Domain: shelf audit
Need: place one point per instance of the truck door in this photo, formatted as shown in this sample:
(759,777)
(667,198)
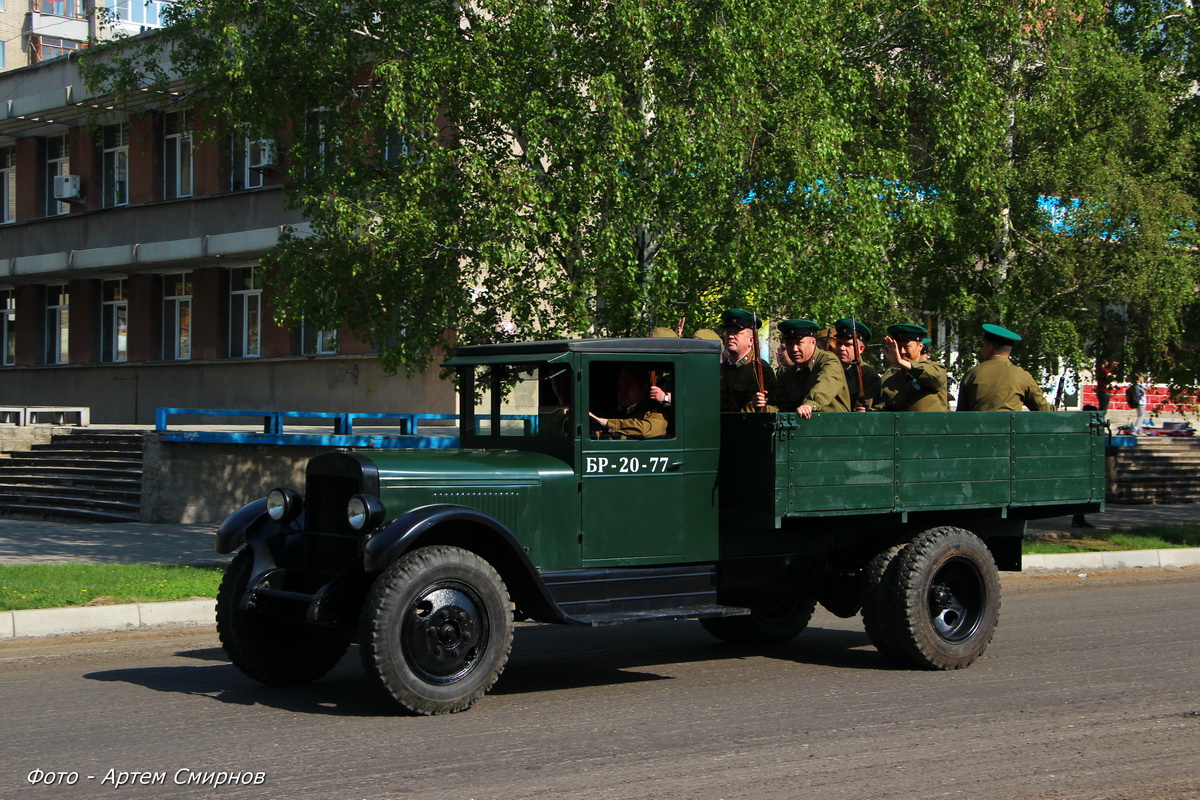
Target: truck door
(632,470)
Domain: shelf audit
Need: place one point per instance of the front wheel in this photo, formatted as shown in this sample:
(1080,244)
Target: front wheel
(436,630)
(774,618)
(945,601)
(272,650)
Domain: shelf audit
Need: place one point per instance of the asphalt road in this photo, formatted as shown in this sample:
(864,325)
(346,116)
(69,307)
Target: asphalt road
(1089,691)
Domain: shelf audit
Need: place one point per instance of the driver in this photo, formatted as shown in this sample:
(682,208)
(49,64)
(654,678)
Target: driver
(640,417)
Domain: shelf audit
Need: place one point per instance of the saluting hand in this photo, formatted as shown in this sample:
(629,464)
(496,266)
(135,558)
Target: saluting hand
(891,351)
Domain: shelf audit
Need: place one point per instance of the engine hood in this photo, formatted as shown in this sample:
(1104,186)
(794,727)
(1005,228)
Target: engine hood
(461,468)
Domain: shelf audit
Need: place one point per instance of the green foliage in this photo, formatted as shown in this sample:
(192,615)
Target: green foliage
(576,167)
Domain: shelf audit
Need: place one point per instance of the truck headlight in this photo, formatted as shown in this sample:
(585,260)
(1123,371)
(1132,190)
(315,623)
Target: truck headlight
(364,512)
(284,505)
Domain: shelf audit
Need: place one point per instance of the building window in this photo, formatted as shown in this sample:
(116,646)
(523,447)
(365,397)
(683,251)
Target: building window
(64,8)
(58,162)
(320,141)
(317,342)
(8,344)
(114,321)
(57,347)
(177,316)
(245,312)
(251,157)
(8,184)
(147,13)
(399,147)
(47,47)
(177,155)
(116,165)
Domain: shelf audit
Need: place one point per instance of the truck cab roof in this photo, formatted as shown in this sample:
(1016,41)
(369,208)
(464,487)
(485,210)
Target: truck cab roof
(490,353)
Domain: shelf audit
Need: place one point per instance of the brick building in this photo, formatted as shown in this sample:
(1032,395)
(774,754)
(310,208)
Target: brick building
(130,273)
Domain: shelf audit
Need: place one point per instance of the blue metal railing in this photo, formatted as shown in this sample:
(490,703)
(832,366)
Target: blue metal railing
(343,435)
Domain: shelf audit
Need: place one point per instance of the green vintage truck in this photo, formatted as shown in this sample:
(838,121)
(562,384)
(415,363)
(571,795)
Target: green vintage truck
(427,557)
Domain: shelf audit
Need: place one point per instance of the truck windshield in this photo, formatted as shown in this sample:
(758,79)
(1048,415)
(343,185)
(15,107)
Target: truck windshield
(519,406)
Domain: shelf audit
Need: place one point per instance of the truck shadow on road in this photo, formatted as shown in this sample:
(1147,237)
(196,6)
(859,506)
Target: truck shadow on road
(544,658)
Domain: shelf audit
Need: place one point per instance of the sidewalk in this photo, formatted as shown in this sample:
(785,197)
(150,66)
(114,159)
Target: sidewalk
(23,542)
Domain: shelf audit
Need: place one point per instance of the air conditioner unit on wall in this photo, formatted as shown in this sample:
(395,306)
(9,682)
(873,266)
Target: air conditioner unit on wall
(66,187)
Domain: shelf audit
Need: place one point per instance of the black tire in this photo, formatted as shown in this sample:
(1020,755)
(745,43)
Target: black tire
(774,618)
(273,651)
(945,603)
(879,580)
(436,630)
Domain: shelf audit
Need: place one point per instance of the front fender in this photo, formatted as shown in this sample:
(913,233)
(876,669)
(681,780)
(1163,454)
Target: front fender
(250,522)
(471,529)
(404,532)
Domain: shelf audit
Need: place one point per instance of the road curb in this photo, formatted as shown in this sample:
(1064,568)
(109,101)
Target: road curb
(101,619)
(1173,557)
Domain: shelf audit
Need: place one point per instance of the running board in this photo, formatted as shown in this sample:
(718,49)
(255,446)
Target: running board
(613,596)
(661,614)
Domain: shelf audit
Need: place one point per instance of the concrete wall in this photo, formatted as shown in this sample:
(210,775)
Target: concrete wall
(163,221)
(204,483)
(129,393)
(21,438)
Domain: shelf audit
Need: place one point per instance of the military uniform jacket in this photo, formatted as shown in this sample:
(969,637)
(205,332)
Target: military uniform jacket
(870,378)
(644,420)
(923,388)
(1000,385)
(739,385)
(821,383)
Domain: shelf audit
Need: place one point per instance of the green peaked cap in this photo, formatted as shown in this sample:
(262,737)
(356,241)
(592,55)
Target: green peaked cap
(904,332)
(798,328)
(1000,335)
(739,318)
(845,325)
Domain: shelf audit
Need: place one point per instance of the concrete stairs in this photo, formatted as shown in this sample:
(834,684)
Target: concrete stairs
(1158,469)
(86,474)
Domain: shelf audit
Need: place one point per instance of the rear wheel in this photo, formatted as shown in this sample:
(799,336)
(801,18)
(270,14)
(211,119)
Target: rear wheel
(878,578)
(274,651)
(436,630)
(945,602)
(774,618)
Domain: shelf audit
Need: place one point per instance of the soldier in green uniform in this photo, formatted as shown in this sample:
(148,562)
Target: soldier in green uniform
(997,384)
(739,373)
(914,383)
(851,358)
(641,417)
(816,380)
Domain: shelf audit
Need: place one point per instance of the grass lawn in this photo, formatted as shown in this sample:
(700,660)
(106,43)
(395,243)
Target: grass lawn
(24,586)
(1148,537)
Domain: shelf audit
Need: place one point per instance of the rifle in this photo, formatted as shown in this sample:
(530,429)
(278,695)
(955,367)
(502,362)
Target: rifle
(862,390)
(758,364)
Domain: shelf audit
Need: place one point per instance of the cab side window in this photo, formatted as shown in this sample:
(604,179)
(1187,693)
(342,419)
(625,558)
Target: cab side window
(629,400)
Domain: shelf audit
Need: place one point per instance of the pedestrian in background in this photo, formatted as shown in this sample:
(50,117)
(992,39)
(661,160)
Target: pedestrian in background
(1135,395)
(1105,372)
